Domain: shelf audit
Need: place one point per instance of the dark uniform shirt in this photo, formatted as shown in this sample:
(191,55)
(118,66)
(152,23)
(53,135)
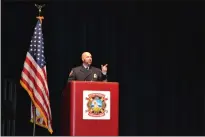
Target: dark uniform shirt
(80,73)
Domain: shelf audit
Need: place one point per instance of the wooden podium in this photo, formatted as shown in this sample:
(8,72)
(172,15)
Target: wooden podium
(90,109)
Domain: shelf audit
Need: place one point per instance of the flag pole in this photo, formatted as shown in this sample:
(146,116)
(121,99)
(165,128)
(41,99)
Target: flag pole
(34,108)
(34,119)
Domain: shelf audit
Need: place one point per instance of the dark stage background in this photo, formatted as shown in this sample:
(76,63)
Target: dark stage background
(155,50)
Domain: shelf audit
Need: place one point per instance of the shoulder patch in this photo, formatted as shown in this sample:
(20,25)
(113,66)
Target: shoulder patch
(71,73)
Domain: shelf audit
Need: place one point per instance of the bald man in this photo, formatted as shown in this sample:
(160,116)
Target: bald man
(86,72)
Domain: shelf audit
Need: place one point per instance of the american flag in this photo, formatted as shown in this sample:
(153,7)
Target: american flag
(34,79)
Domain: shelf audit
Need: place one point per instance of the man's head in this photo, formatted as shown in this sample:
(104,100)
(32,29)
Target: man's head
(86,58)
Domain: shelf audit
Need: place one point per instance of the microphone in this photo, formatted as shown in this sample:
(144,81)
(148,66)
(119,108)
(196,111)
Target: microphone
(91,75)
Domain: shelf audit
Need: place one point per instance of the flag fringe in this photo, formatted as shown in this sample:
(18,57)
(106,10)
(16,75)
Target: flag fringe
(39,124)
(36,105)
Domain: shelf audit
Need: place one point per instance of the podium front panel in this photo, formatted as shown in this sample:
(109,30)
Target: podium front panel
(94,108)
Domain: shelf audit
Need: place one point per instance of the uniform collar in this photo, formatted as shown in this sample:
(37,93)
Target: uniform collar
(86,66)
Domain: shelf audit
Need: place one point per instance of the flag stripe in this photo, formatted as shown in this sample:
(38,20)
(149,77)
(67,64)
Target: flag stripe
(29,77)
(37,98)
(34,79)
(38,71)
(35,73)
(34,99)
(45,76)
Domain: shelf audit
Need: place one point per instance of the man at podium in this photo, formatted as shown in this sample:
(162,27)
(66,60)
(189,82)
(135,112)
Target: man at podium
(86,72)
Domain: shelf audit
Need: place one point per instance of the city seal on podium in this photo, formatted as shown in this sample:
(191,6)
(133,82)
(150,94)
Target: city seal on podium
(96,105)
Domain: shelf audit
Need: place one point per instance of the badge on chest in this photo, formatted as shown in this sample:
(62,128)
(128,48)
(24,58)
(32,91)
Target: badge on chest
(95,76)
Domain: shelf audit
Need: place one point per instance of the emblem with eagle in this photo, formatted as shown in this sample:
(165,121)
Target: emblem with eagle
(96,105)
